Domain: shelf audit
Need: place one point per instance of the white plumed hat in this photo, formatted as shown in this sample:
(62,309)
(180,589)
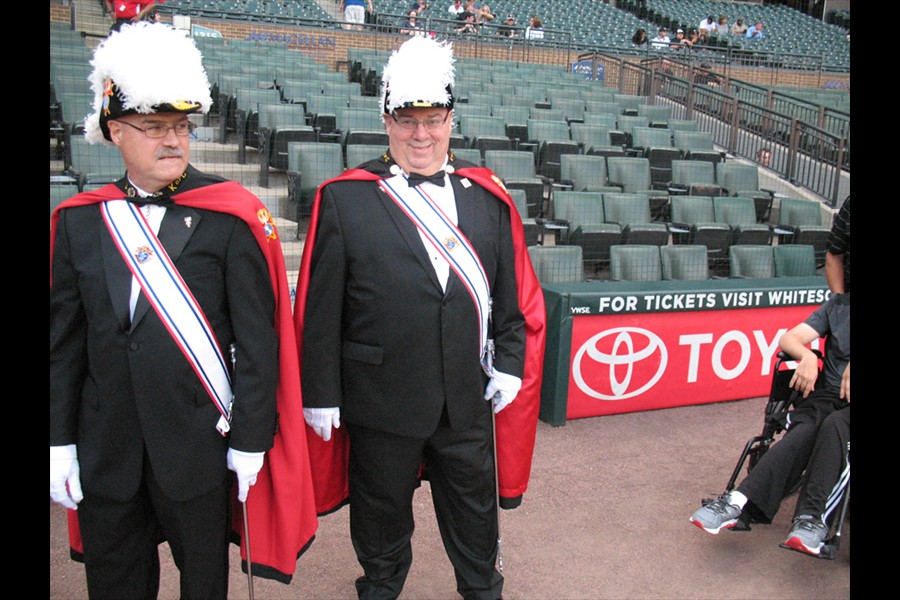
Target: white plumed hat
(420,74)
(145,68)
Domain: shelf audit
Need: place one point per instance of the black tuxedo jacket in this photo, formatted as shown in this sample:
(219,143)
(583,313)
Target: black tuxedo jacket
(120,387)
(381,339)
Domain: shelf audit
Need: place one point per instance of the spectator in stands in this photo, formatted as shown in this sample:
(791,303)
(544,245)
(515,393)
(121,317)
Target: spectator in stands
(837,258)
(763,156)
(708,24)
(755,32)
(661,40)
(456,9)
(355,13)
(739,28)
(722,25)
(535,29)
(419,7)
(128,11)
(680,41)
(411,27)
(693,37)
(640,37)
(826,395)
(467,26)
(702,37)
(508,29)
(485,16)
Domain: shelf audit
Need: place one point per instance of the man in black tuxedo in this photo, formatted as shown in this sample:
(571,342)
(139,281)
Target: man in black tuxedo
(395,332)
(134,445)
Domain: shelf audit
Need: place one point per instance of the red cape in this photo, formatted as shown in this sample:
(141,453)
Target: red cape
(516,424)
(280,505)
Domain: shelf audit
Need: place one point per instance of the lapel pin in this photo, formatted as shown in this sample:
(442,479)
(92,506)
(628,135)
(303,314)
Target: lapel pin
(187,222)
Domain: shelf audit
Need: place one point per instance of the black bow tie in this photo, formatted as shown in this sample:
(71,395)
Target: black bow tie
(158,199)
(417,178)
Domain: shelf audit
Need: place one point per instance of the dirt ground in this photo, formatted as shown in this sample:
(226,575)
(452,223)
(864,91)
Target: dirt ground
(605,516)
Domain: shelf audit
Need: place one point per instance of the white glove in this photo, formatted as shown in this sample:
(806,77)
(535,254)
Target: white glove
(246,465)
(502,388)
(322,420)
(64,470)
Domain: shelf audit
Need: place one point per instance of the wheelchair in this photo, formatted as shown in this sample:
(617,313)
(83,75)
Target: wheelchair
(782,400)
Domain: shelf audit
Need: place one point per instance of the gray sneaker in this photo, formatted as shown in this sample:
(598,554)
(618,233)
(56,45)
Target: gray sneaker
(717,514)
(807,535)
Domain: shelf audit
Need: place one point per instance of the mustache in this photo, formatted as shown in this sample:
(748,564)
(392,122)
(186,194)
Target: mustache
(169,152)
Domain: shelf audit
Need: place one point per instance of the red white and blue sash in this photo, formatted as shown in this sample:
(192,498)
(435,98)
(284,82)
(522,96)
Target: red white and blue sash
(172,300)
(451,245)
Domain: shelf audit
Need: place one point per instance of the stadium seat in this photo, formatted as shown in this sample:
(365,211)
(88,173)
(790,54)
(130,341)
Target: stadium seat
(740,214)
(685,262)
(743,180)
(309,165)
(635,263)
(557,264)
(751,260)
(794,260)
(800,222)
(631,212)
(516,169)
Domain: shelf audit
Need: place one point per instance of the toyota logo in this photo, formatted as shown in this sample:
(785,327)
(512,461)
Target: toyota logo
(617,352)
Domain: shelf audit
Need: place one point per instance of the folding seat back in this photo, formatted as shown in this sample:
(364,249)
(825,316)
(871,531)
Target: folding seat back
(357,154)
(694,177)
(473,155)
(694,222)
(658,115)
(632,174)
(800,222)
(557,264)
(743,180)
(94,165)
(740,214)
(629,103)
(625,125)
(588,136)
(360,126)
(585,173)
(751,260)
(577,208)
(651,137)
(684,262)
(516,169)
(655,145)
(573,109)
(309,165)
(280,124)
(631,212)
(794,260)
(683,125)
(532,229)
(635,262)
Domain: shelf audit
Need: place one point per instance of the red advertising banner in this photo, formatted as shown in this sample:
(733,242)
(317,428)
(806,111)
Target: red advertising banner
(633,362)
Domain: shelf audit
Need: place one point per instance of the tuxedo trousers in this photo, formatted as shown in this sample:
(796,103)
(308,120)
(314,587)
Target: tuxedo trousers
(384,473)
(121,539)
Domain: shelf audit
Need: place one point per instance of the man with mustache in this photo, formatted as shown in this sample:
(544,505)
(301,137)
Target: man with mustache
(172,353)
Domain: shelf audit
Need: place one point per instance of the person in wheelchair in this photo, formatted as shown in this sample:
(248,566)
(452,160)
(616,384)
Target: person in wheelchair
(813,442)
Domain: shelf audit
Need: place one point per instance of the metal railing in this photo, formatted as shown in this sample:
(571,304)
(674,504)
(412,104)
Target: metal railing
(808,144)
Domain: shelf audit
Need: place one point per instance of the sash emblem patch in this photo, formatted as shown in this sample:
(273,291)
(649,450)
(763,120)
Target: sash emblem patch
(143,254)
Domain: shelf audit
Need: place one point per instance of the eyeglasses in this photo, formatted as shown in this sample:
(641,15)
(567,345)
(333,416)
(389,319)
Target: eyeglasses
(160,131)
(410,124)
